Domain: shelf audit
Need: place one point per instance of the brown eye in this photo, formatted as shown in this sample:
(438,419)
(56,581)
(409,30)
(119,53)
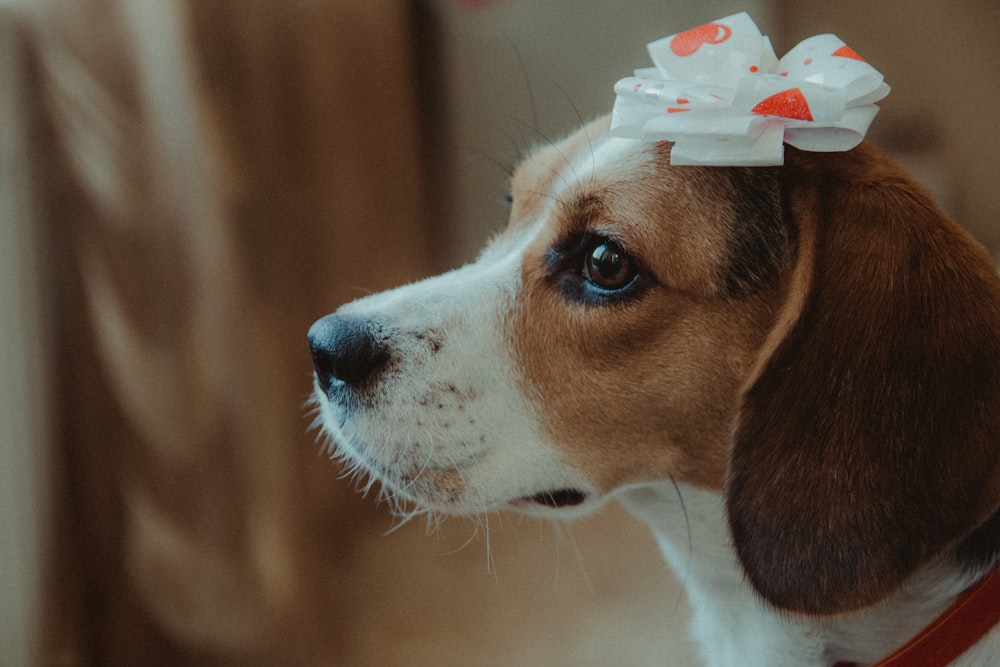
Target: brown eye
(608,266)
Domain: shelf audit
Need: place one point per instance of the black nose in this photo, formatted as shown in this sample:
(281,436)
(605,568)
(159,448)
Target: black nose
(345,349)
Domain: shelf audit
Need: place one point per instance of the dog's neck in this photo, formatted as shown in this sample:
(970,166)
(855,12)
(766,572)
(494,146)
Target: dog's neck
(735,627)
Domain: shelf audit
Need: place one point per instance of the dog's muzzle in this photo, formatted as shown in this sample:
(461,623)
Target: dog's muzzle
(353,357)
(346,350)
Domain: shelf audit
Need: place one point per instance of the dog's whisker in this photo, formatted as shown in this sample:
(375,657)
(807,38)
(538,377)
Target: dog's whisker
(553,144)
(415,479)
(528,89)
(555,172)
(369,483)
(403,515)
(555,527)
(578,556)
(490,562)
(683,579)
(579,118)
(548,195)
(434,522)
(518,152)
(347,472)
(506,167)
(476,523)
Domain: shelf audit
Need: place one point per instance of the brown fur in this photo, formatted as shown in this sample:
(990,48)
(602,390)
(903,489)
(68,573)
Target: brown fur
(819,342)
(645,390)
(868,445)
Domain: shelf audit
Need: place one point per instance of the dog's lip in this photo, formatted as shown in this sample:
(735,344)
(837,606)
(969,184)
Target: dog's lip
(557,498)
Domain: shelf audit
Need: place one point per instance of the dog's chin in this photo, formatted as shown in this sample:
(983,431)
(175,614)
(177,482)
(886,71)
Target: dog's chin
(452,489)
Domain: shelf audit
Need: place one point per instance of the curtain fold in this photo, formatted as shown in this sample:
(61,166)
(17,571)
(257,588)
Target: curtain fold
(219,175)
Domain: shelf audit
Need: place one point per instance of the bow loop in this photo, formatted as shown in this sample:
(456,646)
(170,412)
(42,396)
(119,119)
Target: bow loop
(722,96)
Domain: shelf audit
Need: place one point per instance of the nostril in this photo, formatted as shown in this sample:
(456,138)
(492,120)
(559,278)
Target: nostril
(345,349)
(324,366)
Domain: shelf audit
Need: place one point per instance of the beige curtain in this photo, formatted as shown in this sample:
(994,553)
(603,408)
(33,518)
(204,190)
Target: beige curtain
(215,176)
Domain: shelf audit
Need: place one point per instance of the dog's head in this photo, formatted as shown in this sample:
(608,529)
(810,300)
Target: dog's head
(816,341)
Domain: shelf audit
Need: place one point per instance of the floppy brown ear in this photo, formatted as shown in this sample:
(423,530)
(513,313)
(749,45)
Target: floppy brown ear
(869,440)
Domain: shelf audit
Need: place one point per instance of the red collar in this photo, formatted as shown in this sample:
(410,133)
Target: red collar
(954,632)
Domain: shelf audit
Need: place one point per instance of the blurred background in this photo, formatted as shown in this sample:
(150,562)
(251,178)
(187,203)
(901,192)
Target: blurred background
(186,186)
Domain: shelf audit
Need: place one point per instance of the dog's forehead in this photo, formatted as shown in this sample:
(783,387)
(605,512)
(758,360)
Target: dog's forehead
(609,154)
(550,173)
(592,157)
(679,220)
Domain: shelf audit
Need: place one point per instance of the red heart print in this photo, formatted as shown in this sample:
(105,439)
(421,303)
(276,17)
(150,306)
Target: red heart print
(789,103)
(686,43)
(847,52)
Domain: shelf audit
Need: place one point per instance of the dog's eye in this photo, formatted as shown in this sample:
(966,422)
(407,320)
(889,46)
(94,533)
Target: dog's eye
(607,266)
(595,270)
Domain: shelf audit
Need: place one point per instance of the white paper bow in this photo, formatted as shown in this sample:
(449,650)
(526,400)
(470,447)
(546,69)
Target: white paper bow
(722,96)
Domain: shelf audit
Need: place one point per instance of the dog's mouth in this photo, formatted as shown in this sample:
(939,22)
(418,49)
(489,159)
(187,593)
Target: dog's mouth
(559,498)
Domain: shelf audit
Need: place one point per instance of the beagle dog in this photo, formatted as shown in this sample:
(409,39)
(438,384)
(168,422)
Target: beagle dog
(791,374)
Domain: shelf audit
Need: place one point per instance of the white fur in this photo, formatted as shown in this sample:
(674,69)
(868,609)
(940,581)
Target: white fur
(459,408)
(734,628)
(462,408)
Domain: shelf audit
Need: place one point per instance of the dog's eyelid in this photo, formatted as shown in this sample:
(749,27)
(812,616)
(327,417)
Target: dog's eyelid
(569,251)
(567,268)
(626,243)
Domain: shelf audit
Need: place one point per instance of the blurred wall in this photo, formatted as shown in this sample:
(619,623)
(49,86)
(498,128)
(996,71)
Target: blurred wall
(940,121)
(525,72)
